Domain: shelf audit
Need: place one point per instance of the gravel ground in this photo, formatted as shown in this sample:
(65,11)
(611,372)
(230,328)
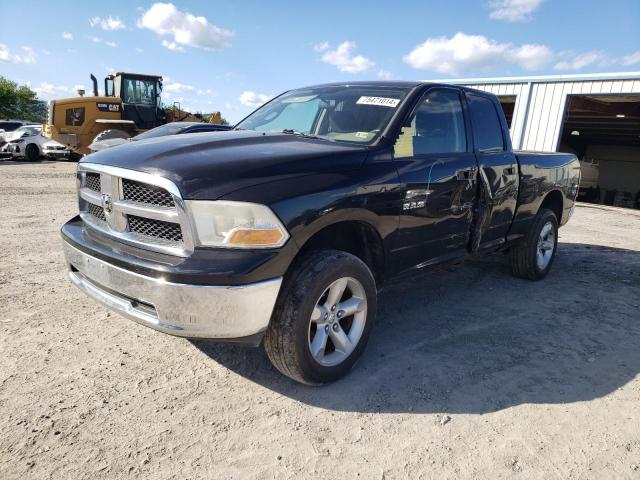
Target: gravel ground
(469,373)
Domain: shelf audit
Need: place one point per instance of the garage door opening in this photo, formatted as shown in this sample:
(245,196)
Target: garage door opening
(508,103)
(604,133)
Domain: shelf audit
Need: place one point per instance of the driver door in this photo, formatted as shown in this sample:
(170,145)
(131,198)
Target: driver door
(437,169)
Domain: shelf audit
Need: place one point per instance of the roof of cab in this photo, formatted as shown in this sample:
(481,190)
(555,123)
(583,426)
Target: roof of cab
(391,84)
(370,83)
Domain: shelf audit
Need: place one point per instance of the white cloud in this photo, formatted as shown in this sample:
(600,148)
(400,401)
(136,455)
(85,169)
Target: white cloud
(47,91)
(95,39)
(27,55)
(342,58)
(176,87)
(321,47)
(67,36)
(530,57)
(464,52)
(111,44)
(46,52)
(109,23)
(185,28)
(253,99)
(173,46)
(139,50)
(631,59)
(385,75)
(578,62)
(513,10)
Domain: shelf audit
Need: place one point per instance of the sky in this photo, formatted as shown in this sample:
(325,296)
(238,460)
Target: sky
(230,56)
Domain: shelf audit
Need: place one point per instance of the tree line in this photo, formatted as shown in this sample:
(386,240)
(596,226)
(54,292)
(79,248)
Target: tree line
(20,102)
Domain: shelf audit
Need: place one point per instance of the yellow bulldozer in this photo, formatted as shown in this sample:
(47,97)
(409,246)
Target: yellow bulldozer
(130,105)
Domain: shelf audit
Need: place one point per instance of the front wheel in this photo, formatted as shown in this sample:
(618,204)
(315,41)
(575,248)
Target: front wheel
(110,134)
(32,153)
(533,256)
(323,318)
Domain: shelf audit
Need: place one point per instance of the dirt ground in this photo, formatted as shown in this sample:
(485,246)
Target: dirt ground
(470,373)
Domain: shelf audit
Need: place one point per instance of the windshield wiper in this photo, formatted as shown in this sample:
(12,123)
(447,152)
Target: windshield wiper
(291,131)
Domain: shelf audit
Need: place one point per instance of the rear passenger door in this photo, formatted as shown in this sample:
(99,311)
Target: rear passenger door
(498,165)
(437,170)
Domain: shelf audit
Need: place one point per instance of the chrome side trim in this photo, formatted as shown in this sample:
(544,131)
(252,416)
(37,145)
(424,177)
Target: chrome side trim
(193,311)
(166,214)
(116,225)
(90,196)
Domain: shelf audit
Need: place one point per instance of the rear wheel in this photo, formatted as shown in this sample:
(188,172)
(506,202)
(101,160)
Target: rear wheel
(109,134)
(32,153)
(533,256)
(323,318)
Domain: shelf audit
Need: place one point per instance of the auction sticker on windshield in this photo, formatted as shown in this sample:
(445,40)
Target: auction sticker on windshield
(380,101)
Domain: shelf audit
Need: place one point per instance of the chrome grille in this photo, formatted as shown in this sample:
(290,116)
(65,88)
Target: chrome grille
(155,228)
(93,181)
(97,212)
(134,207)
(145,193)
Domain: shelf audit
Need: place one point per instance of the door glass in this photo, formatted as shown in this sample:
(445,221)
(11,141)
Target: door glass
(109,87)
(486,124)
(437,127)
(141,92)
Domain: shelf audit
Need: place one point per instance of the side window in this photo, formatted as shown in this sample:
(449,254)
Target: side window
(109,88)
(74,116)
(436,127)
(486,124)
(140,92)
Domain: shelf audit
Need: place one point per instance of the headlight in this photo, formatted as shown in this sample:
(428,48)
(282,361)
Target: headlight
(236,224)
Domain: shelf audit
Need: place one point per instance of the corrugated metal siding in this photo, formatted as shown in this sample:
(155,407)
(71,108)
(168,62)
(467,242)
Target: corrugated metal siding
(543,122)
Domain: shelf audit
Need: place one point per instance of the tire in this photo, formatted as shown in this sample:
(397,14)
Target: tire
(109,134)
(306,291)
(32,153)
(525,255)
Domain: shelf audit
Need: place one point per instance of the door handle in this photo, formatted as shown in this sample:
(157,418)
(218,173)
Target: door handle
(509,171)
(466,174)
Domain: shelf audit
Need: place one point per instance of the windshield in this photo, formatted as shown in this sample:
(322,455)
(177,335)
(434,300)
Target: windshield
(28,130)
(168,129)
(9,126)
(141,92)
(337,113)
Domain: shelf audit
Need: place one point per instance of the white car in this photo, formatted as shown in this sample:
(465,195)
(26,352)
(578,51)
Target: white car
(8,126)
(30,143)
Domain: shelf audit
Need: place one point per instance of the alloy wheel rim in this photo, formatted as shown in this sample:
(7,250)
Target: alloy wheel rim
(337,322)
(546,245)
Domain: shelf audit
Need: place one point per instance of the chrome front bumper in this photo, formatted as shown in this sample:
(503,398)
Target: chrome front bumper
(194,311)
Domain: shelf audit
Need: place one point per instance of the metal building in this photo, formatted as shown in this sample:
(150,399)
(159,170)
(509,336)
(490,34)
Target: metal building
(595,116)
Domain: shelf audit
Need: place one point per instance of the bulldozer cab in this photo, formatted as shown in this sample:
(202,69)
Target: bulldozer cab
(140,95)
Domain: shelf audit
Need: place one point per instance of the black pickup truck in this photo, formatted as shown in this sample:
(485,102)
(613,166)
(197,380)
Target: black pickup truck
(285,228)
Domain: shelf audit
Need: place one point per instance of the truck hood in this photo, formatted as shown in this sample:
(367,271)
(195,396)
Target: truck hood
(206,166)
(10,136)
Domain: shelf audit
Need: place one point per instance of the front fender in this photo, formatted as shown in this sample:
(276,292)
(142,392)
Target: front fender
(309,203)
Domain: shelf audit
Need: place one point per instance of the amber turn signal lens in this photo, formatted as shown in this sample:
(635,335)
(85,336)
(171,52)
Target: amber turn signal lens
(269,236)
